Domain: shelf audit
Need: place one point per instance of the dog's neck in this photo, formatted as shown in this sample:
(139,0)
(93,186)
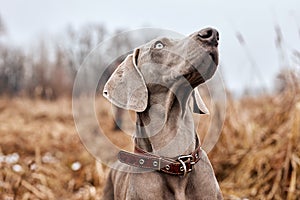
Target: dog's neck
(166,127)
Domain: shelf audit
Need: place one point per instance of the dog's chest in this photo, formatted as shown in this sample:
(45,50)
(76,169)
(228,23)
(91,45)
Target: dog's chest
(157,186)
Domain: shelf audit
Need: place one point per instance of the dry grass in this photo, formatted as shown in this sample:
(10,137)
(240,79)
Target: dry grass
(41,156)
(43,136)
(258,155)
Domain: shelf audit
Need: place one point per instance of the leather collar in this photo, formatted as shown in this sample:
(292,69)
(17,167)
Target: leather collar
(180,165)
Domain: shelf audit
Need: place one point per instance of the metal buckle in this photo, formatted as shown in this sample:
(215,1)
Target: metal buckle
(183,167)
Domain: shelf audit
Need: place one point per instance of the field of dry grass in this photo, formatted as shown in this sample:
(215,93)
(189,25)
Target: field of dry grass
(41,156)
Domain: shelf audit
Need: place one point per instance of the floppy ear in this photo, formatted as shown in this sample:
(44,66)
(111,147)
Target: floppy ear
(126,87)
(198,104)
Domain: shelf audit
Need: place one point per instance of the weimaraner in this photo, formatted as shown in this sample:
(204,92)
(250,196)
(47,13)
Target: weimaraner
(158,82)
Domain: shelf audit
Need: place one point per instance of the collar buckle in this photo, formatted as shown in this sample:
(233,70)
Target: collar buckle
(183,159)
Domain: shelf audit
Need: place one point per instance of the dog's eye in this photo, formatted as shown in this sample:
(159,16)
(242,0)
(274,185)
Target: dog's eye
(158,45)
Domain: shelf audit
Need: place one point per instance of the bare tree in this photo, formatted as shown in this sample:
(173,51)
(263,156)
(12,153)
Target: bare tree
(11,66)
(40,73)
(78,44)
(11,71)
(2,27)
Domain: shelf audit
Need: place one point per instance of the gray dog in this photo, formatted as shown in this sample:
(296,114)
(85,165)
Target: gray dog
(158,81)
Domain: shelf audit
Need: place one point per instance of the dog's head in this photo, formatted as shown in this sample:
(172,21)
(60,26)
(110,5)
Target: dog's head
(187,62)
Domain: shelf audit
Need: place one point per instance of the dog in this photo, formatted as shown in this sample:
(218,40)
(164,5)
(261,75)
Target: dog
(159,82)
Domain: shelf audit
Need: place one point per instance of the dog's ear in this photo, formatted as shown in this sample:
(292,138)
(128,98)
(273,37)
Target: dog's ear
(126,87)
(198,104)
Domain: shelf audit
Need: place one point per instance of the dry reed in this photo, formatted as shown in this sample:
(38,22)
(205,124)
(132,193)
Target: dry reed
(257,156)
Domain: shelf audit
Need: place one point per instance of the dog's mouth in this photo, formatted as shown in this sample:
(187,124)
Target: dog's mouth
(204,68)
(214,56)
(211,49)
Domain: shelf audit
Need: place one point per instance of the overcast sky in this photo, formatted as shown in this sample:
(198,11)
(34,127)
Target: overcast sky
(26,20)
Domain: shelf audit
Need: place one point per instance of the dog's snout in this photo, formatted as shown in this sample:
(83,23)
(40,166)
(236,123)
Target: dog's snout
(209,35)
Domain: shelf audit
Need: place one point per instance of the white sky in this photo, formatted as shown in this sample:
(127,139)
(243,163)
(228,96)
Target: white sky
(27,20)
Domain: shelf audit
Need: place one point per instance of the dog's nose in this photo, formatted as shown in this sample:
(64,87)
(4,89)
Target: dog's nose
(209,35)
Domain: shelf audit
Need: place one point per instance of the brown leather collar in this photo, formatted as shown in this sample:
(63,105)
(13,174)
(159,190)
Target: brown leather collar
(173,166)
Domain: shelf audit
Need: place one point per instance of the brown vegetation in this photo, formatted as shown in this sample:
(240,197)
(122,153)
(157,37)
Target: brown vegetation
(258,154)
(41,156)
